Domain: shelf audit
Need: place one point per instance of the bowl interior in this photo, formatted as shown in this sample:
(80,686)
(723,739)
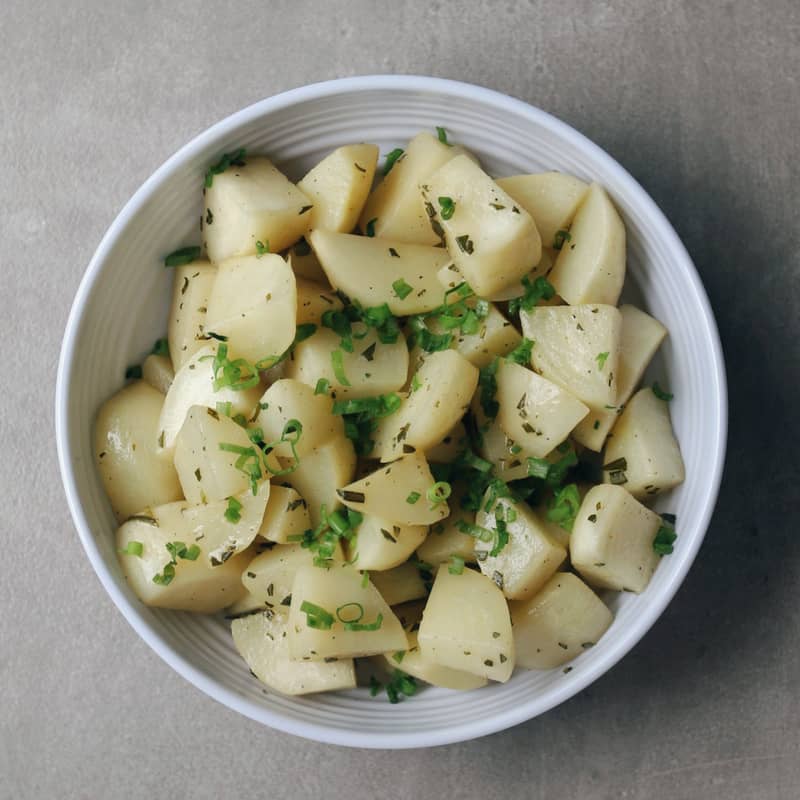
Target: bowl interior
(121,309)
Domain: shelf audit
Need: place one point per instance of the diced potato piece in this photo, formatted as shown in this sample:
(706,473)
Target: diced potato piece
(551,198)
(191,289)
(400,584)
(254,304)
(262,642)
(381,545)
(338,186)
(288,399)
(321,472)
(416,663)
(246,604)
(158,372)
(370,270)
(135,474)
(221,533)
(253,203)
(449,448)
(558,623)
(591,265)
(396,205)
(194,386)
(492,241)
(466,626)
(447,382)
(640,337)
(445,539)
(643,451)
(612,540)
(535,413)
(397,492)
(313,300)
(305,264)
(372,368)
(197,585)
(529,558)
(206,472)
(578,348)
(340,592)
(270,575)
(286,515)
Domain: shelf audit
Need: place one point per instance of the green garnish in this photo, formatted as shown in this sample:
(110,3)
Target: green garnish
(234,159)
(233,513)
(261,248)
(439,492)
(361,415)
(456,566)
(540,289)
(249,462)
(413,497)
(616,470)
(601,359)
(564,507)
(501,540)
(355,616)
(416,383)
(134,372)
(160,348)
(176,550)
(538,467)
(237,375)
(447,206)
(185,255)
(316,616)
(432,342)
(561,237)
(664,540)
(364,626)
(487,383)
(224,408)
(401,288)
(133,548)
(521,354)
(364,579)
(476,531)
(322,387)
(338,368)
(301,333)
(465,244)
(661,394)
(442,134)
(370,229)
(391,159)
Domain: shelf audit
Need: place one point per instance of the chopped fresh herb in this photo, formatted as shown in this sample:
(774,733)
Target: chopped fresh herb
(476,531)
(364,626)
(350,612)
(393,253)
(338,368)
(401,288)
(376,407)
(413,497)
(487,383)
(538,467)
(601,359)
(416,383)
(323,386)
(370,228)
(218,336)
(456,566)
(234,159)
(521,354)
(661,394)
(399,656)
(533,293)
(564,506)
(439,492)
(132,548)
(501,539)
(665,538)
(160,348)
(302,332)
(369,352)
(134,372)
(237,375)
(304,209)
(176,550)
(447,206)
(185,255)
(249,462)
(233,513)
(262,248)
(442,134)
(560,237)
(465,244)
(224,407)
(316,616)
(422,336)
(364,579)
(391,159)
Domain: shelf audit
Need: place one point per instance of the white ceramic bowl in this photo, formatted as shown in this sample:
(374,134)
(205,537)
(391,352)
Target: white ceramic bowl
(121,308)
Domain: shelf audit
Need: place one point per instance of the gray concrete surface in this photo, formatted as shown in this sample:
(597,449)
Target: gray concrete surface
(699,100)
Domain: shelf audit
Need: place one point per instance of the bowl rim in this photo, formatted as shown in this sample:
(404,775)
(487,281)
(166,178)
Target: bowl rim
(475,728)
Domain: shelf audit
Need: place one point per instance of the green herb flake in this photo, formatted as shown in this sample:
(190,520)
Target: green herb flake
(262,248)
(601,360)
(564,507)
(323,386)
(465,244)
(533,293)
(391,159)
(160,348)
(413,497)
(521,354)
(233,513)
(316,616)
(447,207)
(661,394)
(456,565)
(560,237)
(185,255)
(132,548)
(234,159)
(401,288)
(442,135)
(337,362)
(664,541)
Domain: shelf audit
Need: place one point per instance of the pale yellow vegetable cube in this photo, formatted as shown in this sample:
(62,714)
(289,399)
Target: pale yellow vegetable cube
(612,540)
(341,597)
(640,337)
(446,383)
(493,241)
(372,368)
(263,643)
(400,584)
(577,347)
(253,203)
(523,565)
(320,474)
(558,623)
(376,271)
(466,626)
(191,288)
(535,413)
(313,300)
(395,208)
(158,372)
(591,265)
(305,264)
(194,386)
(445,539)
(246,604)
(381,545)
(254,305)
(196,586)
(270,575)
(643,451)
(397,492)
(495,445)
(135,474)
(338,186)
(286,515)
(288,399)
(207,472)
(551,198)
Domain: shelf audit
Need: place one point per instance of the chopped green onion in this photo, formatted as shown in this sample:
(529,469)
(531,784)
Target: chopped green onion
(160,348)
(133,548)
(487,383)
(224,407)
(521,354)
(233,513)
(456,566)
(560,237)
(364,626)
(476,531)
(249,462)
(376,407)
(601,359)
(391,160)
(261,248)
(416,383)
(237,375)
(664,540)
(661,394)
(565,506)
(439,492)
(185,255)
(448,207)
(413,497)
(502,535)
(316,616)
(364,579)
(538,467)
(338,368)
(401,288)
(234,159)
(442,134)
(357,616)
(533,293)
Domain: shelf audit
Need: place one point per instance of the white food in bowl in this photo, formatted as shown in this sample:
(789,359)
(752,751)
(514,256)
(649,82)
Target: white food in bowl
(124,296)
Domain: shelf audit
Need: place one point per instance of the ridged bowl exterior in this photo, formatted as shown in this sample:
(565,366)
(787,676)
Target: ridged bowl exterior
(121,307)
